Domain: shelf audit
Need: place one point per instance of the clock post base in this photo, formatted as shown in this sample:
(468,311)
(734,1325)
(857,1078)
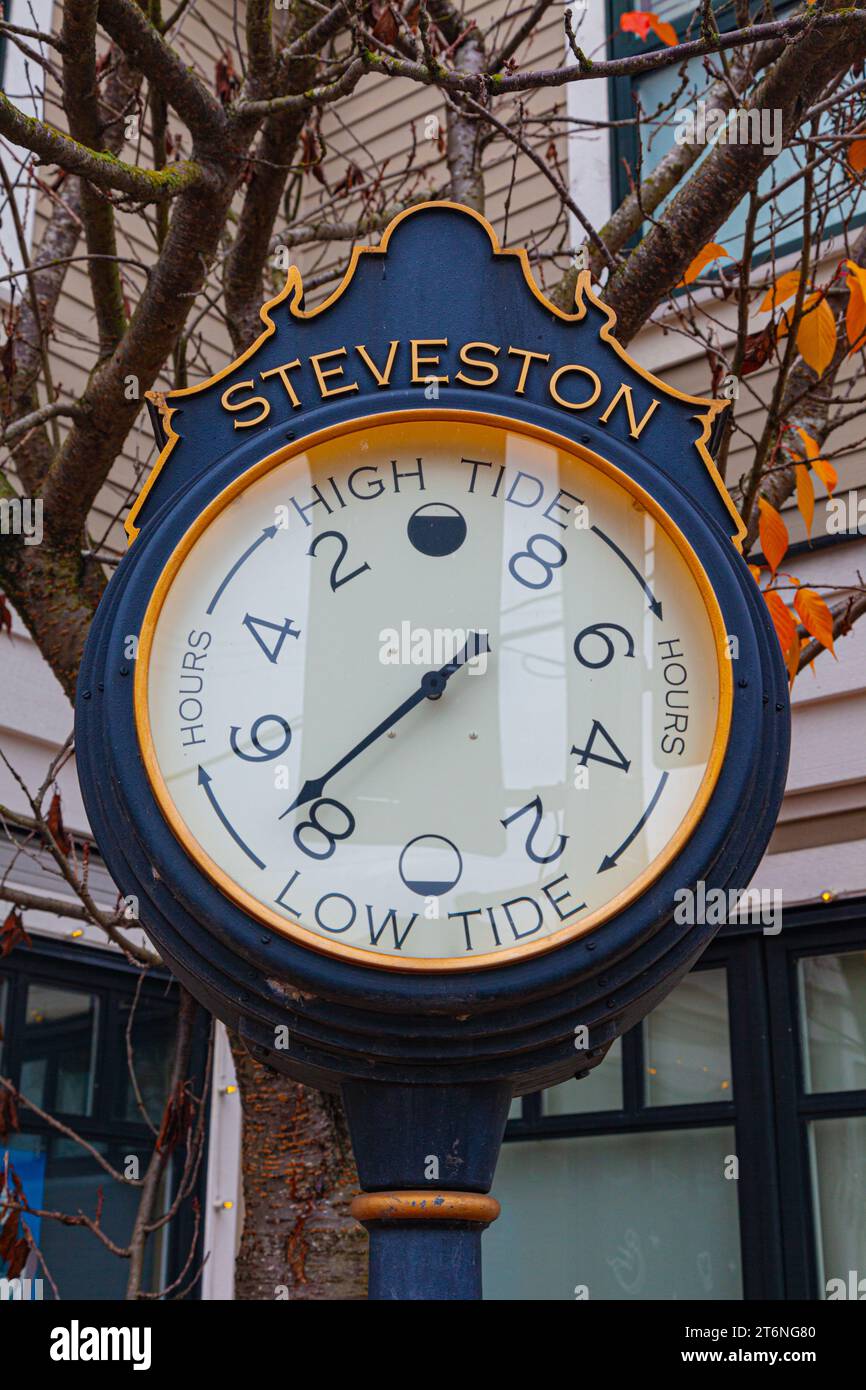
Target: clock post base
(425,1244)
(426,1157)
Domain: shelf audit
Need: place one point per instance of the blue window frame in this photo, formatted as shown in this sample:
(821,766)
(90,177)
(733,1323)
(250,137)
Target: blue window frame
(656,88)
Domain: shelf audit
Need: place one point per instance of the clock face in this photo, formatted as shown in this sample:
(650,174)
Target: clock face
(433,693)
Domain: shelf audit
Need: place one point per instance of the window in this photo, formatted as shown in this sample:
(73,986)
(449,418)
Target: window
(58,1068)
(719,1150)
(65,1012)
(832,999)
(662,94)
(616,1183)
(686,1043)
(818,996)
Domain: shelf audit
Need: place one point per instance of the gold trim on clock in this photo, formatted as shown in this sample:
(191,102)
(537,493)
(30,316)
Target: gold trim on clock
(292,295)
(304,935)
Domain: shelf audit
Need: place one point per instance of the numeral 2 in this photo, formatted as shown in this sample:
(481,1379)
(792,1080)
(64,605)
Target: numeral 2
(538,811)
(336,580)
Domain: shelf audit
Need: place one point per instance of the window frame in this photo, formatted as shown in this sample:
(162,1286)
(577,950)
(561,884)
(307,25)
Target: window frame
(107,976)
(624,140)
(797,1107)
(770,1110)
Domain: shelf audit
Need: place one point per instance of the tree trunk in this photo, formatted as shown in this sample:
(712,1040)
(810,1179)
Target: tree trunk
(298,1174)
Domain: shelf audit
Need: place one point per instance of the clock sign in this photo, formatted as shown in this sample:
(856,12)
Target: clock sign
(448,675)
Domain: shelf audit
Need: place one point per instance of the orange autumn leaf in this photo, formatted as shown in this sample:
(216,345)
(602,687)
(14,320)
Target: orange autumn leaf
(809,444)
(13,933)
(816,336)
(54,821)
(792,658)
(855,315)
(641,21)
(711,252)
(784,288)
(773,534)
(783,619)
(782,326)
(666,32)
(805,495)
(827,473)
(755,572)
(857,155)
(635,22)
(815,616)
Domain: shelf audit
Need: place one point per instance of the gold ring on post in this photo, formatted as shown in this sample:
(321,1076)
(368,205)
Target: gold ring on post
(425,1206)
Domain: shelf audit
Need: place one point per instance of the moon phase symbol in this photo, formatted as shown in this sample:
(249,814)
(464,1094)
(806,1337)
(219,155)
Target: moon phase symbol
(437,528)
(430,865)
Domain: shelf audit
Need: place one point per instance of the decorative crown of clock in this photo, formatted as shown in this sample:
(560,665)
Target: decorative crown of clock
(449,675)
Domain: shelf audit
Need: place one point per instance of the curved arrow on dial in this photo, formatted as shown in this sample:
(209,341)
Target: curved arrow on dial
(609,861)
(204,780)
(267,535)
(654,603)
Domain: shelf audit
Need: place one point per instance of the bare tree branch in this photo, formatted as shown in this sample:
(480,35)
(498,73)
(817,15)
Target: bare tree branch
(100,169)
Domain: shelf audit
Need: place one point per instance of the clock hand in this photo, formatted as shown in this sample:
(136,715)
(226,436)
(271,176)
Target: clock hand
(432,687)
(476,644)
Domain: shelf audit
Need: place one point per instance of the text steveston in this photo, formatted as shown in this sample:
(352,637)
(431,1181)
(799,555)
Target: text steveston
(340,372)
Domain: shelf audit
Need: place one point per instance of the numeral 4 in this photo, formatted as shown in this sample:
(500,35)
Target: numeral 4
(270,645)
(586,754)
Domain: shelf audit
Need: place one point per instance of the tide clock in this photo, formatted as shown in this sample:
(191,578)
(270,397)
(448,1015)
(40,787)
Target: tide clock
(430,694)
(432,672)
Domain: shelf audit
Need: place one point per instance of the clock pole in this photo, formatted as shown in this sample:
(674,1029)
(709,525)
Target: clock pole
(426,1157)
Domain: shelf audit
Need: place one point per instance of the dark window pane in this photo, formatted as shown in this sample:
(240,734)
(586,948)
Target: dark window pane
(627,1216)
(838,1153)
(601,1090)
(60,1034)
(687,1043)
(152,1038)
(57,1175)
(833,1021)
